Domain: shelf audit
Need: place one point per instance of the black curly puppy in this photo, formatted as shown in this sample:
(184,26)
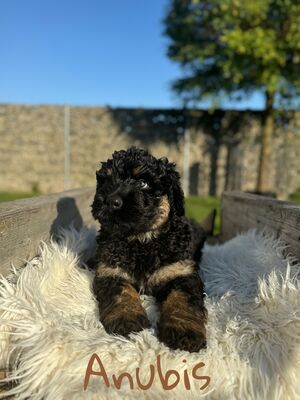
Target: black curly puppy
(146,244)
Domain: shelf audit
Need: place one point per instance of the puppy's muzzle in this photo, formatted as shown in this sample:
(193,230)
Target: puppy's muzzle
(115,202)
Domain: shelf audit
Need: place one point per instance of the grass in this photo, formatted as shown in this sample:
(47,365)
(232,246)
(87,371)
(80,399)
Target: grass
(9,196)
(295,196)
(198,208)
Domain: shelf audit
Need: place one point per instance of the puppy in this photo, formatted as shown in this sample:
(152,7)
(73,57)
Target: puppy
(146,245)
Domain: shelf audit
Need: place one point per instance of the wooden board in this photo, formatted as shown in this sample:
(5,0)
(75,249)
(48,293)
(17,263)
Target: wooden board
(242,211)
(24,223)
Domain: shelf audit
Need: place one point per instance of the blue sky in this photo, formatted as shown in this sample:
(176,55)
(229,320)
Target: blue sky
(88,52)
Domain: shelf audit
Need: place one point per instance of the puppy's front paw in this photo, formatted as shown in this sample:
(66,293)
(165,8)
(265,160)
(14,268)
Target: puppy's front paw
(124,326)
(182,321)
(183,338)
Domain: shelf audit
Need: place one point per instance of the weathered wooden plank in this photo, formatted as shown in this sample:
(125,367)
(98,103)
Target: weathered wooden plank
(24,223)
(242,211)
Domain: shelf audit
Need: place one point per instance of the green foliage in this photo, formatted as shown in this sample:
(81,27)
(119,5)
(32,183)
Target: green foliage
(198,208)
(226,46)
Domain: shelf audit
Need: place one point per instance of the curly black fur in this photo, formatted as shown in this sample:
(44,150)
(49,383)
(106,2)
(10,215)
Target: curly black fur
(146,243)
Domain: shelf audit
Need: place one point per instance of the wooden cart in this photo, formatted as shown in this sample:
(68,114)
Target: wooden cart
(25,223)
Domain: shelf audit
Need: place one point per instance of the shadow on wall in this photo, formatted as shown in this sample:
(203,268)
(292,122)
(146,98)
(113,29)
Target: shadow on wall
(225,129)
(220,128)
(150,126)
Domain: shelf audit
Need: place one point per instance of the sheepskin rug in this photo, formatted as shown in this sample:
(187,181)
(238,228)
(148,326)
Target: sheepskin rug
(50,329)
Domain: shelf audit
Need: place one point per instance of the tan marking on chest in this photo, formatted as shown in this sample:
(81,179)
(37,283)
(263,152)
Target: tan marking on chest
(105,271)
(170,272)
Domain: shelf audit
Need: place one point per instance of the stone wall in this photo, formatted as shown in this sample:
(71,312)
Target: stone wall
(224,150)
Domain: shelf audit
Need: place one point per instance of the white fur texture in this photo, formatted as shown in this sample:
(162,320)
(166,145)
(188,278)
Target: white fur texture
(50,327)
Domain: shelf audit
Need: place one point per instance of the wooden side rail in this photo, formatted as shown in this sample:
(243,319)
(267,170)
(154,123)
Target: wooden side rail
(24,223)
(242,211)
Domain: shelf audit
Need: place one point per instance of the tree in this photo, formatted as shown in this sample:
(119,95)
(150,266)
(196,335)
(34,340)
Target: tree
(234,47)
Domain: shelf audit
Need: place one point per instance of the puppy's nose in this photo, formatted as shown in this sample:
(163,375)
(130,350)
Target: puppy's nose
(116,202)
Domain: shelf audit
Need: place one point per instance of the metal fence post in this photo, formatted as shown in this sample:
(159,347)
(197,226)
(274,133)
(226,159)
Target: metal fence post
(186,161)
(67,148)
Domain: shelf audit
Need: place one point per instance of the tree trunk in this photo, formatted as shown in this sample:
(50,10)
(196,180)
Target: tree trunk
(263,182)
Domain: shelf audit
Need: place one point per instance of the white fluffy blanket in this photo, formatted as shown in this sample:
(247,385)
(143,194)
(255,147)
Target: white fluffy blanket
(50,329)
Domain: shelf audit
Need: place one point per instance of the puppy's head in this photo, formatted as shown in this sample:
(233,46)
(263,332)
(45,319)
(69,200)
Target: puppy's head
(136,192)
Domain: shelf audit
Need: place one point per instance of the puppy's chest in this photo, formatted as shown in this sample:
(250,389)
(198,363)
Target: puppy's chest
(147,258)
(139,259)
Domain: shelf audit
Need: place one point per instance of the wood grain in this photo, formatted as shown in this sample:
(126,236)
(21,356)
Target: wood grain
(242,211)
(24,223)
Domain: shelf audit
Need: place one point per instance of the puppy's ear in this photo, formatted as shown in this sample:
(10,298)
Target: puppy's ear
(98,174)
(104,169)
(174,190)
(99,170)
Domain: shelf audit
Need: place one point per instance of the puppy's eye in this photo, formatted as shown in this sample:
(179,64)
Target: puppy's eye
(144,184)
